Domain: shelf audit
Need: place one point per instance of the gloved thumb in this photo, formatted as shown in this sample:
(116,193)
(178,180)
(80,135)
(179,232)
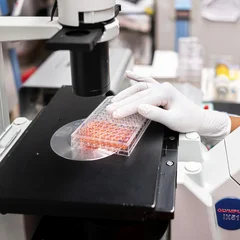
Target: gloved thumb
(133,76)
(153,113)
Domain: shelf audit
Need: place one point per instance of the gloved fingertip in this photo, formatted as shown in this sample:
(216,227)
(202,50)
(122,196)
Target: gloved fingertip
(114,99)
(116,114)
(128,72)
(111,108)
(144,109)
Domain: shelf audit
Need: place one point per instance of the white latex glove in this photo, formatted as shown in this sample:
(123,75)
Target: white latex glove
(163,103)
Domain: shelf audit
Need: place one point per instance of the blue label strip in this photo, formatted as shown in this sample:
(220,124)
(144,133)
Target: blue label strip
(4,7)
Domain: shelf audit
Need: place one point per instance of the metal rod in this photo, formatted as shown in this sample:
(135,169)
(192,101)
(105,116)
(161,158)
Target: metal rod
(4,111)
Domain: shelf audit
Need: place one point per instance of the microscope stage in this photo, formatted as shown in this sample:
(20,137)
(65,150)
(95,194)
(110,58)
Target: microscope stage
(35,180)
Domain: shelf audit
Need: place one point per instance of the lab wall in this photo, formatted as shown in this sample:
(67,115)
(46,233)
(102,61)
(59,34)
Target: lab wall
(165,25)
(218,38)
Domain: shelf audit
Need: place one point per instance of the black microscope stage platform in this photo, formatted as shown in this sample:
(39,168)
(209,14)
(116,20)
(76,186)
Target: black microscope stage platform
(34,180)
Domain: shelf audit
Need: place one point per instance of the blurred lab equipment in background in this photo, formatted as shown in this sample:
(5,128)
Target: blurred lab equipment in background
(11,77)
(216,25)
(224,74)
(221,10)
(191,61)
(137,23)
(31,52)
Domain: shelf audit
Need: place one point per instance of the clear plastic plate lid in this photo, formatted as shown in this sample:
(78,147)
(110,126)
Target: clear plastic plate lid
(101,130)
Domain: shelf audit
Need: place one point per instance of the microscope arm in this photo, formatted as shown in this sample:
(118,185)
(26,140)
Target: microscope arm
(27,28)
(37,28)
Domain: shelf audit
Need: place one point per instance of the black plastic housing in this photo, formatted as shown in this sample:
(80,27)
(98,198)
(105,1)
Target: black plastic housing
(90,71)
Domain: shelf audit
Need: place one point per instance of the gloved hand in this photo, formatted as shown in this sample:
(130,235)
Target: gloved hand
(163,103)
